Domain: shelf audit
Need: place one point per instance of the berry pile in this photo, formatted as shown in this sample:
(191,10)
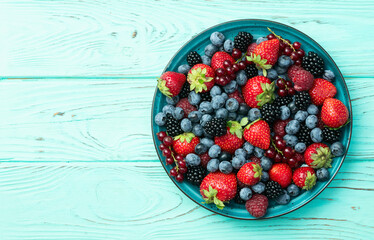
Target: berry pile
(251,121)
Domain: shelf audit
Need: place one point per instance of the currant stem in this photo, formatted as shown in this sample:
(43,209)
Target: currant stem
(241,58)
(280,38)
(175,160)
(275,147)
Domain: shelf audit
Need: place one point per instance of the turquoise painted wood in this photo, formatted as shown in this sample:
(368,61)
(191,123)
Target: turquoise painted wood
(76,153)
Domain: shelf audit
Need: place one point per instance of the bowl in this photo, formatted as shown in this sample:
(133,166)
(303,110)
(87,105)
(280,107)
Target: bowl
(257,28)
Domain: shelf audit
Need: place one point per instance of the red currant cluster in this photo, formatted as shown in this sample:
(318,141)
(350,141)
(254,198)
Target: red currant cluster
(279,152)
(290,49)
(285,88)
(180,167)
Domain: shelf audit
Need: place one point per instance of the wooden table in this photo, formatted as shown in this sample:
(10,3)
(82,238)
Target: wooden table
(76,155)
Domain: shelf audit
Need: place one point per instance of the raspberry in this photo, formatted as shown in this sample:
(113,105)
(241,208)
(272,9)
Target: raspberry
(251,48)
(279,126)
(255,160)
(237,95)
(303,80)
(292,70)
(257,205)
(204,159)
(186,106)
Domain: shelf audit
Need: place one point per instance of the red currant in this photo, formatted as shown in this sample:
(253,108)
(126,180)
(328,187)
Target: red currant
(280,144)
(162,146)
(169,161)
(294,56)
(292,162)
(227,64)
(287,40)
(291,91)
(288,51)
(229,70)
(179,157)
(277,137)
(284,159)
(288,84)
(161,135)
(282,45)
(301,53)
(278,158)
(166,152)
(248,62)
(298,62)
(280,83)
(220,72)
(296,45)
(179,177)
(181,163)
(173,172)
(288,152)
(232,76)
(270,153)
(168,141)
(242,65)
(299,157)
(270,36)
(182,170)
(282,92)
(236,53)
(235,67)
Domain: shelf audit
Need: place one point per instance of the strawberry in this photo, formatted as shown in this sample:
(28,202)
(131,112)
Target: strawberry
(251,48)
(201,78)
(321,90)
(237,95)
(257,205)
(257,133)
(318,155)
(279,127)
(185,143)
(186,106)
(265,55)
(250,173)
(204,159)
(304,178)
(233,139)
(258,91)
(218,59)
(218,187)
(292,70)
(334,113)
(303,80)
(281,173)
(171,83)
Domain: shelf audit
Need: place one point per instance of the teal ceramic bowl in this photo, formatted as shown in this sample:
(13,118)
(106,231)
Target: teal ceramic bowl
(257,28)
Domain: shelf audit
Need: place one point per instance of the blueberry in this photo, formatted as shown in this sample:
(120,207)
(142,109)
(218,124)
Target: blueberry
(284,61)
(195,116)
(239,117)
(200,149)
(284,198)
(198,130)
(292,127)
(301,115)
(221,49)
(224,156)
(207,142)
(178,113)
(245,193)
(212,165)
(258,152)
(194,98)
(225,96)
(260,73)
(311,121)
(291,140)
(265,176)
(222,113)
(185,68)
(206,60)
(272,74)
(258,187)
(254,114)
(328,75)
(160,119)
(231,87)
(232,116)
(280,70)
(266,163)
(261,39)
(241,78)
(217,38)
(225,167)
(240,152)
(215,91)
(293,190)
(206,107)
(204,119)
(214,151)
(186,125)
(284,76)
(312,109)
(300,147)
(192,159)
(243,109)
(316,135)
(218,102)
(337,149)
(285,112)
(292,107)
(238,162)
(168,109)
(232,105)
(173,100)
(228,45)
(248,148)
(322,174)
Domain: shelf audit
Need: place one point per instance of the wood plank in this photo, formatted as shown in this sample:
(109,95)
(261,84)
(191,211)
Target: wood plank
(138,201)
(138,38)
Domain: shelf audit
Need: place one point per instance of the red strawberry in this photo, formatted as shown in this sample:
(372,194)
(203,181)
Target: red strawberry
(281,173)
(279,127)
(258,91)
(250,173)
(334,113)
(251,48)
(237,95)
(321,90)
(185,143)
(292,70)
(218,59)
(186,106)
(204,159)
(265,55)
(171,83)
(255,160)
(218,187)
(201,78)
(233,139)
(303,80)
(304,178)
(318,155)
(257,133)
(257,205)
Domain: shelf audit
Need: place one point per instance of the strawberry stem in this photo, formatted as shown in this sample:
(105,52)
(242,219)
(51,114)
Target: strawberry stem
(280,38)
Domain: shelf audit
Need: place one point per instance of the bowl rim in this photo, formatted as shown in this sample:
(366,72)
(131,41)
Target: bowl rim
(350,123)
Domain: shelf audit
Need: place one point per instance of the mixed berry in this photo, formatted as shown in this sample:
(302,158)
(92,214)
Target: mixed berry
(251,121)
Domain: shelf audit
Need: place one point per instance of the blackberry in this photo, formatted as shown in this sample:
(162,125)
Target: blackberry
(196,174)
(173,126)
(281,101)
(304,135)
(193,58)
(242,41)
(185,90)
(273,190)
(330,135)
(251,71)
(313,63)
(270,112)
(237,197)
(205,97)
(215,127)
(302,100)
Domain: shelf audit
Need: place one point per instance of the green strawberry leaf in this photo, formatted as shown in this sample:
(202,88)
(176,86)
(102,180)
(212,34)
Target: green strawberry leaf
(244,121)
(310,181)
